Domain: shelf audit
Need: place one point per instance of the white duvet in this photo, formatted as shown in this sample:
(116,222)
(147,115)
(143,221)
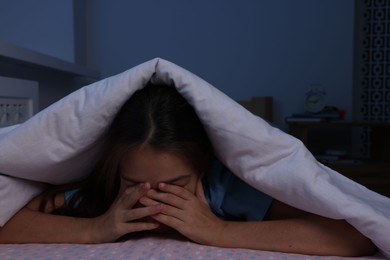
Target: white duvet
(59,144)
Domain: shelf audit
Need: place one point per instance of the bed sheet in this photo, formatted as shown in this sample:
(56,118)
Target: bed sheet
(158,248)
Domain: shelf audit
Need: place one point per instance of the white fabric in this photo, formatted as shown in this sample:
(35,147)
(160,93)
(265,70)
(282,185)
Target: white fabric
(59,145)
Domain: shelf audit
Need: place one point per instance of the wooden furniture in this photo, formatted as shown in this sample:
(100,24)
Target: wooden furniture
(260,105)
(373,171)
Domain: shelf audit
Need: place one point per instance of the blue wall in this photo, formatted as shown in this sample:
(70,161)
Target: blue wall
(244,48)
(44,26)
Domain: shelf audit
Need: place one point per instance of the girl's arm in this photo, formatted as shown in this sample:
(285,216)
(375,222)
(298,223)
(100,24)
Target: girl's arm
(305,233)
(309,234)
(31,226)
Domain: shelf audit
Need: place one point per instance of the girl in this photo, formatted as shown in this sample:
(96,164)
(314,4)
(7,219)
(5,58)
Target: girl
(157,173)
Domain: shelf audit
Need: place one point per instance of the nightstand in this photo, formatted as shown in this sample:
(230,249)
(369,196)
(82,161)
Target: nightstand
(340,140)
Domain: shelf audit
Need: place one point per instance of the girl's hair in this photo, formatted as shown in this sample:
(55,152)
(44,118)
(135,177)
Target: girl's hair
(156,115)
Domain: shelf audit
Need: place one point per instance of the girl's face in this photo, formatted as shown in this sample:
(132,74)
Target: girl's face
(145,164)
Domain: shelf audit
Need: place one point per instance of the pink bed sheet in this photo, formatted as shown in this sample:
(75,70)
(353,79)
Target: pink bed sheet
(145,248)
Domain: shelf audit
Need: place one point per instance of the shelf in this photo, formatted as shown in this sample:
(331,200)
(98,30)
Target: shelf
(375,176)
(14,54)
(379,169)
(372,171)
(340,123)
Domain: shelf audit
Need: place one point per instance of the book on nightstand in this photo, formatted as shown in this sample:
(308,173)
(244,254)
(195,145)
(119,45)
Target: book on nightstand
(314,117)
(304,119)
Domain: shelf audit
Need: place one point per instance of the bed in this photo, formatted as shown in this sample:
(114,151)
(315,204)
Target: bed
(59,144)
(159,248)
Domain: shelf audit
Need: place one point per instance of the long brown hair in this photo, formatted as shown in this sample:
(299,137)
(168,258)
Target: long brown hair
(156,115)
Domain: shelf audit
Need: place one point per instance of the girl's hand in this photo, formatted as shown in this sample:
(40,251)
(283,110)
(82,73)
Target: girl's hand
(184,212)
(121,218)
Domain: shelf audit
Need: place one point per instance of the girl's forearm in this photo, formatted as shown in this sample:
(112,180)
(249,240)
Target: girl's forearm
(306,235)
(29,226)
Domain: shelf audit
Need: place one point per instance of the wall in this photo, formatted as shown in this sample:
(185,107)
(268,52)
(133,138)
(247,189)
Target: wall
(244,48)
(41,41)
(44,26)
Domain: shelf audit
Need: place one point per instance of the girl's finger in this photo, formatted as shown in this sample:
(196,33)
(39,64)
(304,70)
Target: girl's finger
(133,194)
(146,201)
(139,213)
(169,221)
(173,212)
(166,198)
(177,190)
(139,226)
(199,193)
